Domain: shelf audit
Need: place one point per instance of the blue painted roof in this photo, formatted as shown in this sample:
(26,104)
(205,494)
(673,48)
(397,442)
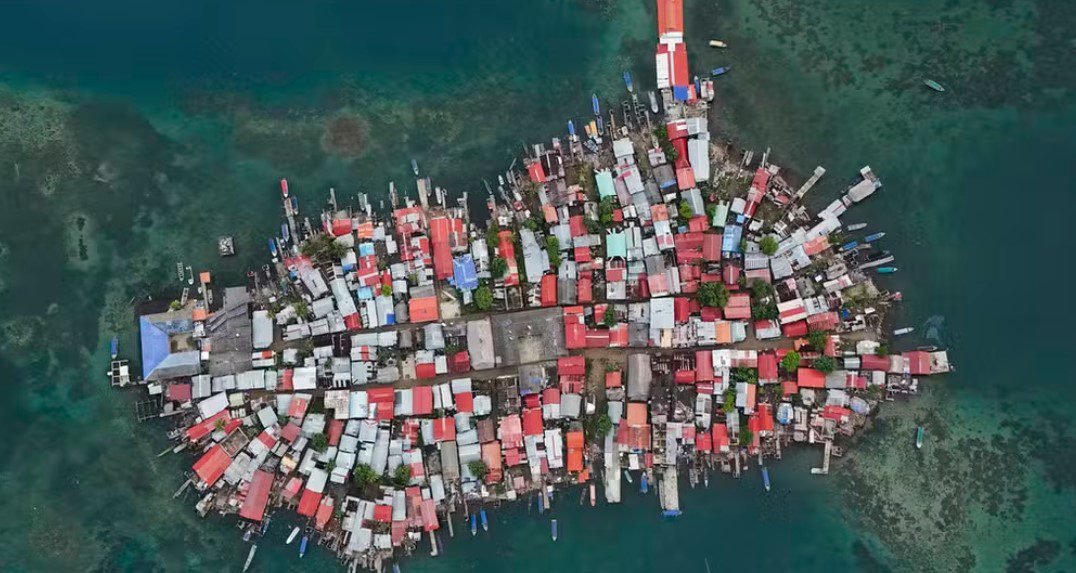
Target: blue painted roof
(680,93)
(155,346)
(464,275)
(730,240)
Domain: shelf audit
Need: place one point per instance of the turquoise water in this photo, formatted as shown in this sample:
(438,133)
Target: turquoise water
(132,135)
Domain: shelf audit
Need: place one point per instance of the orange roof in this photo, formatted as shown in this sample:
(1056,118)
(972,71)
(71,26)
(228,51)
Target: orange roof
(670,16)
(199,313)
(723,332)
(575,439)
(810,378)
(204,277)
(575,460)
(210,467)
(423,309)
(636,413)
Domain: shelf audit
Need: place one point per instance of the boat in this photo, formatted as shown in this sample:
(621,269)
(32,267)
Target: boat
(849,246)
(250,556)
(718,44)
(414,167)
(627,476)
(698,85)
(644,484)
(285,232)
(302,544)
(934,85)
(601,126)
(594,102)
(593,495)
(653,101)
(474,524)
(553,526)
(627,81)
(190,275)
(179,270)
(284,188)
(919,438)
(247,533)
(873,237)
(272,248)
(878,255)
(903,331)
(857,226)
(672,513)
(291,536)
(265,524)
(927,348)
(766,478)
(887,270)
(721,71)
(294,205)
(485,524)
(571,128)
(115,347)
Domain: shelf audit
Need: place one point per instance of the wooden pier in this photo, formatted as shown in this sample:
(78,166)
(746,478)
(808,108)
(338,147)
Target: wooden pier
(818,173)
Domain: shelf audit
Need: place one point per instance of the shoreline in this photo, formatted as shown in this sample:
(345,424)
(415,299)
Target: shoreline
(341,292)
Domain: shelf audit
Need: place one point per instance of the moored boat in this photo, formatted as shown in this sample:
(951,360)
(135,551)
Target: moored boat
(721,71)
(594,102)
(766,478)
(934,85)
(115,347)
(571,128)
(873,237)
(627,81)
(849,246)
(878,255)
(919,438)
(284,188)
(474,524)
(593,495)
(644,484)
(627,476)
(857,226)
(718,44)
(887,270)
(302,545)
(485,523)
(272,248)
(653,101)
(285,232)
(553,527)
(414,167)
(250,556)
(291,537)
(903,331)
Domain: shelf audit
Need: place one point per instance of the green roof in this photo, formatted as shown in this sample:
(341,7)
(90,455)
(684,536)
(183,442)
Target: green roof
(605,183)
(616,245)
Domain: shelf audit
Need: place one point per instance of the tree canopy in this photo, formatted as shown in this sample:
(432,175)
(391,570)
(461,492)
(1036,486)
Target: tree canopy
(483,298)
(685,210)
(768,245)
(817,339)
(402,475)
(363,475)
(824,364)
(320,442)
(498,267)
(713,294)
(610,317)
(478,468)
(552,245)
(791,361)
(323,248)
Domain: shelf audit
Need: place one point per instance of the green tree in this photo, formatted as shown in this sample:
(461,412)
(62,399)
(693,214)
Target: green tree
(478,469)
(817,339)
(552,246)
(764,311)
(386,290)
(605,211)
(824,364)
(768,245)
(603,426)
(323,248)
(685,210)
(174,305)
(730,401)
(760,289)
(746,437)
(498,267)
(402,475)
(483,298)
(491,235)
(320,442)
(791,361)
(713,294)
(219,424)
(363,475)
(610,317)
(882,350)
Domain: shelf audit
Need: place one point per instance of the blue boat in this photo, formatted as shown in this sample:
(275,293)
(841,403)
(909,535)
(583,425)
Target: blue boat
(644,485)
(474,524)
(698,85)
(594,102)
(115,347)
(873,237)
(395,568)
(887,270)
(627,81)
(571,128)
(849,246)
(294,204)
(672,513)
(302,546)
(721,71)
(485,524)
(601,126)
(553,526)
(272,247)
(766,478)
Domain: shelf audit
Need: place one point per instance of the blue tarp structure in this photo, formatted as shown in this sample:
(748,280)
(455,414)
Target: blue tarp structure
(680,93)
(730,240)
(464,274)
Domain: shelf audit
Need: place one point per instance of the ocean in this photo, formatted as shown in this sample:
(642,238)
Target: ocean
(132,135)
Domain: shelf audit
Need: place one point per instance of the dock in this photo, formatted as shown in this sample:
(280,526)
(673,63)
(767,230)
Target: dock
(818,173)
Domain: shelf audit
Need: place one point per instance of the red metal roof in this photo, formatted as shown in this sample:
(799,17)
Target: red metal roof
(918,362)
(738,307)
(532,422)
(422,400)
(585,288)
(383,513)
(465,402)
(336,429)
(704,366)
(823,321)
(384,398)
(254,503)
(290,432)
(210,467)
(767,366)
(613,379)
(551,396)
(325,512)
(537,174)
(444,429)
(795,329)
(206,426)
(873,362)
(571,366)
(810,378)
(179,392)
(308,503)
(423,309)
(670,17)
(549,290)
(684,377)
(442,250)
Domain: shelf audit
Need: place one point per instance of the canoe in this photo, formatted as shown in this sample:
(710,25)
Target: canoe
(553,527)
(766,478)
(718,44)
(887,270)
(934,85)
(919,438)
(721,71)
(873,237)
(857,226)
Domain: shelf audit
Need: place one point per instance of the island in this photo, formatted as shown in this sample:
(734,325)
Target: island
(633,303)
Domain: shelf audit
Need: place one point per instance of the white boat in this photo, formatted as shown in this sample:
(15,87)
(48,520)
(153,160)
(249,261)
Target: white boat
(653,101)
(718,44)
(292,536)
(857,226)
(903,331)
(250,557)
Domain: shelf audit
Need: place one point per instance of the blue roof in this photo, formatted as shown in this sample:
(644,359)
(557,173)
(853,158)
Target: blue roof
(730,240)
(155,346)
(464,275)
(680,93)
